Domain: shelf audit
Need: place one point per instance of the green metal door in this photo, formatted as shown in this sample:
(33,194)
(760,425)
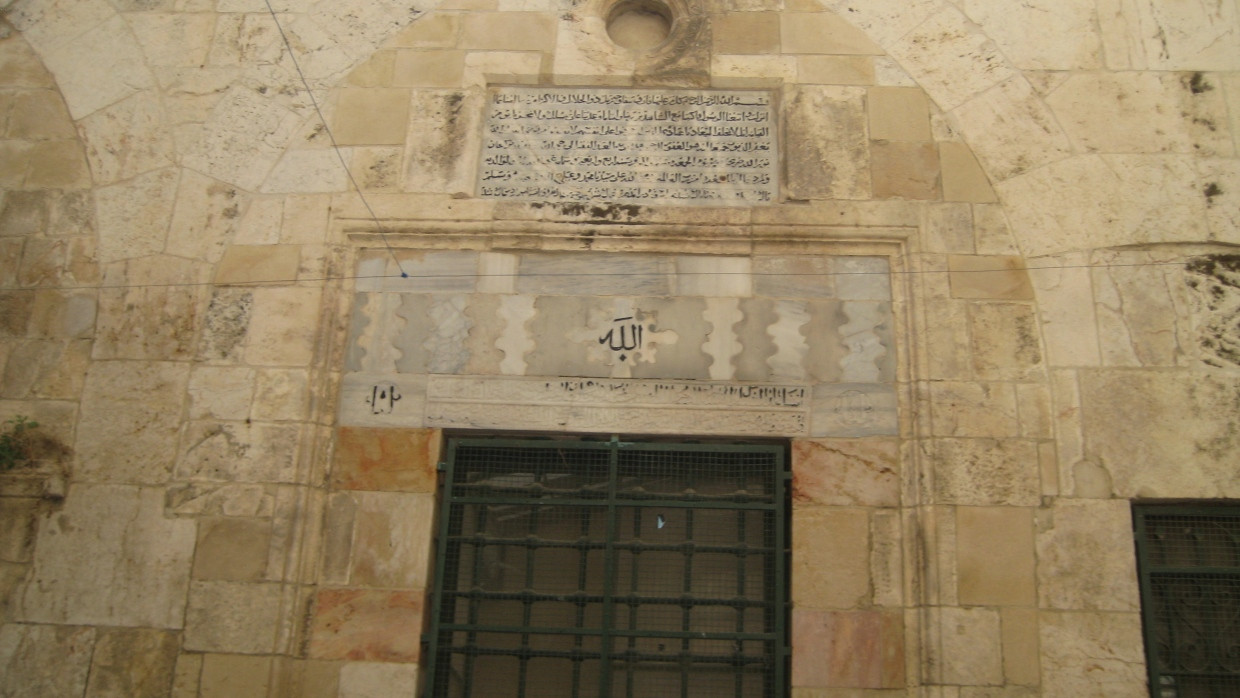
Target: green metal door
(589,568)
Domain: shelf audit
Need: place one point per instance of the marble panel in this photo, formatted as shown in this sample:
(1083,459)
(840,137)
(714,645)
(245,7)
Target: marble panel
(377,680)
(847,649)
(386,459)
(113,558)
(515,340)
(595,275)
(788,361)
(794,277)
(867,337)
(366,625)
(854,409)
(846,472)
(382,400)
(830,558)
(392,535)
(822,334)
(434,272)
(722,344)
(718,277)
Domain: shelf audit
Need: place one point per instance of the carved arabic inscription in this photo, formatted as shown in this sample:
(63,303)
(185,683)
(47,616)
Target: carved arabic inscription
(692,147)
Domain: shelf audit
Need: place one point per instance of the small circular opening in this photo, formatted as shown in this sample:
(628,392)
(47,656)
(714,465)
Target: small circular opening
(639,25)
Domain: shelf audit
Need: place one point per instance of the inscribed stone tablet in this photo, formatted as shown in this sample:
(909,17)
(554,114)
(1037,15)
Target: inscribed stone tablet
(582,145)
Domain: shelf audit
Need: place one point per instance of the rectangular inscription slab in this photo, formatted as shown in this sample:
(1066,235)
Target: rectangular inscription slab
(579,145)
(612,404)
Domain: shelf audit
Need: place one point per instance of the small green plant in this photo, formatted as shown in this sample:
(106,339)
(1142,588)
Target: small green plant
(16,442)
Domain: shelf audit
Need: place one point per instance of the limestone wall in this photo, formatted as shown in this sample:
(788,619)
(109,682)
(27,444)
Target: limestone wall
(1054,185)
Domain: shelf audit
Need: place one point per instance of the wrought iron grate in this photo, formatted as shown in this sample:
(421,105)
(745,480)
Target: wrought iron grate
(1189,564)
(578,568)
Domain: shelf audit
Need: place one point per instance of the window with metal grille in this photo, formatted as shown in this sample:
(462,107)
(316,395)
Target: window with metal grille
(1188,559)
(592,568)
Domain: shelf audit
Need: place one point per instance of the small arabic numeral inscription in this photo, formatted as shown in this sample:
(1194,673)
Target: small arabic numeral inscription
(383,399)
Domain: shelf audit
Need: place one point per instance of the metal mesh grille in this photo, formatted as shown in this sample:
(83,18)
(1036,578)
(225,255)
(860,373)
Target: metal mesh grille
(1189,562)
(610,569)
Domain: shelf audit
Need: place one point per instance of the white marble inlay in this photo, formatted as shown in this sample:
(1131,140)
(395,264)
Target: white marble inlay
(788,361)
(446,344)
(515,341)
(865,347)
(722,344)
(382,323)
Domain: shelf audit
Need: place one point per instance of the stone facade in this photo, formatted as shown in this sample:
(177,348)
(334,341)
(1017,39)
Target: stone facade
(994,302)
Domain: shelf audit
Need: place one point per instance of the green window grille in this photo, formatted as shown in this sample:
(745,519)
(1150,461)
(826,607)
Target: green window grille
(592,568)
(1188,559)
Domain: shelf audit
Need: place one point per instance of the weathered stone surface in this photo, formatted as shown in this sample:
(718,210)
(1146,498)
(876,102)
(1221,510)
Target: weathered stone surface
(232,549)
(822,32)
(963,177)
(443,135)
(133,216)
(1165,433)
(126,139)
(377,680)
(1092,655)
(281,395)
(1140,307)
(1069,324)
(905,170)
(109,557)
(1021,651)
(371,116)
(44,660)
(365,625)
(204,218)
(830,558)
(166,329)
(18,520)
(386,459)
(240,451)
(391,540)
(824,138)
(234,676)
(46,369)
(130,421)
(307,678)
(898,114)
(226,325)
(1067,37)
(220,392)
(994,556)
(1096,530)
(986,472)
(232,617)
(847,649)
(132,663)
(1005,341)
(857,472)
(970,646)
(974,409)
(283,326)
(987,276)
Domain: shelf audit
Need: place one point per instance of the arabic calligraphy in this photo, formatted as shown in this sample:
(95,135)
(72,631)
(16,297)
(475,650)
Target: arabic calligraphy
(383,399)
(618,342)
(593,144)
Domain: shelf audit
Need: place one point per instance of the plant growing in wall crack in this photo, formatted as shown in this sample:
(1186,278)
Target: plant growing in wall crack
(17,443)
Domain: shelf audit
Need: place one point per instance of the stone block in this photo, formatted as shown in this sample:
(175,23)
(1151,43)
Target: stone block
(232,617)
(1162,434)
(235,676)
(823,32)
(1005,341)
(239,451)
(127,138)
(824,134)
(46,369)
(371,116)
(38,115)
(846,472)
(902,170)
(111,558)
(258,263)
(305,218)
(970,646)
(133,216)
(431,68)
(403,460)
(963,177)
(232,549)
(132,663)
(377,680)
(830,558)
(283,327)
(130,421)
(18,520)
(44,660)
(989,276)
(508,31)
(281,395)
(1140,308)
(484,68)
(1021,654)
(1092,655)
(442,143)
(307,678)
(898,114)
(974,409)
(226,325)
(835,70)
(221,392)
(994,556)
(986,472)
(391,540)
(171,310)
(752,70)
(744,33)
(847,649)
(1069,324)
(366,625)
(1099,531)
(25,213)
(432,30)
